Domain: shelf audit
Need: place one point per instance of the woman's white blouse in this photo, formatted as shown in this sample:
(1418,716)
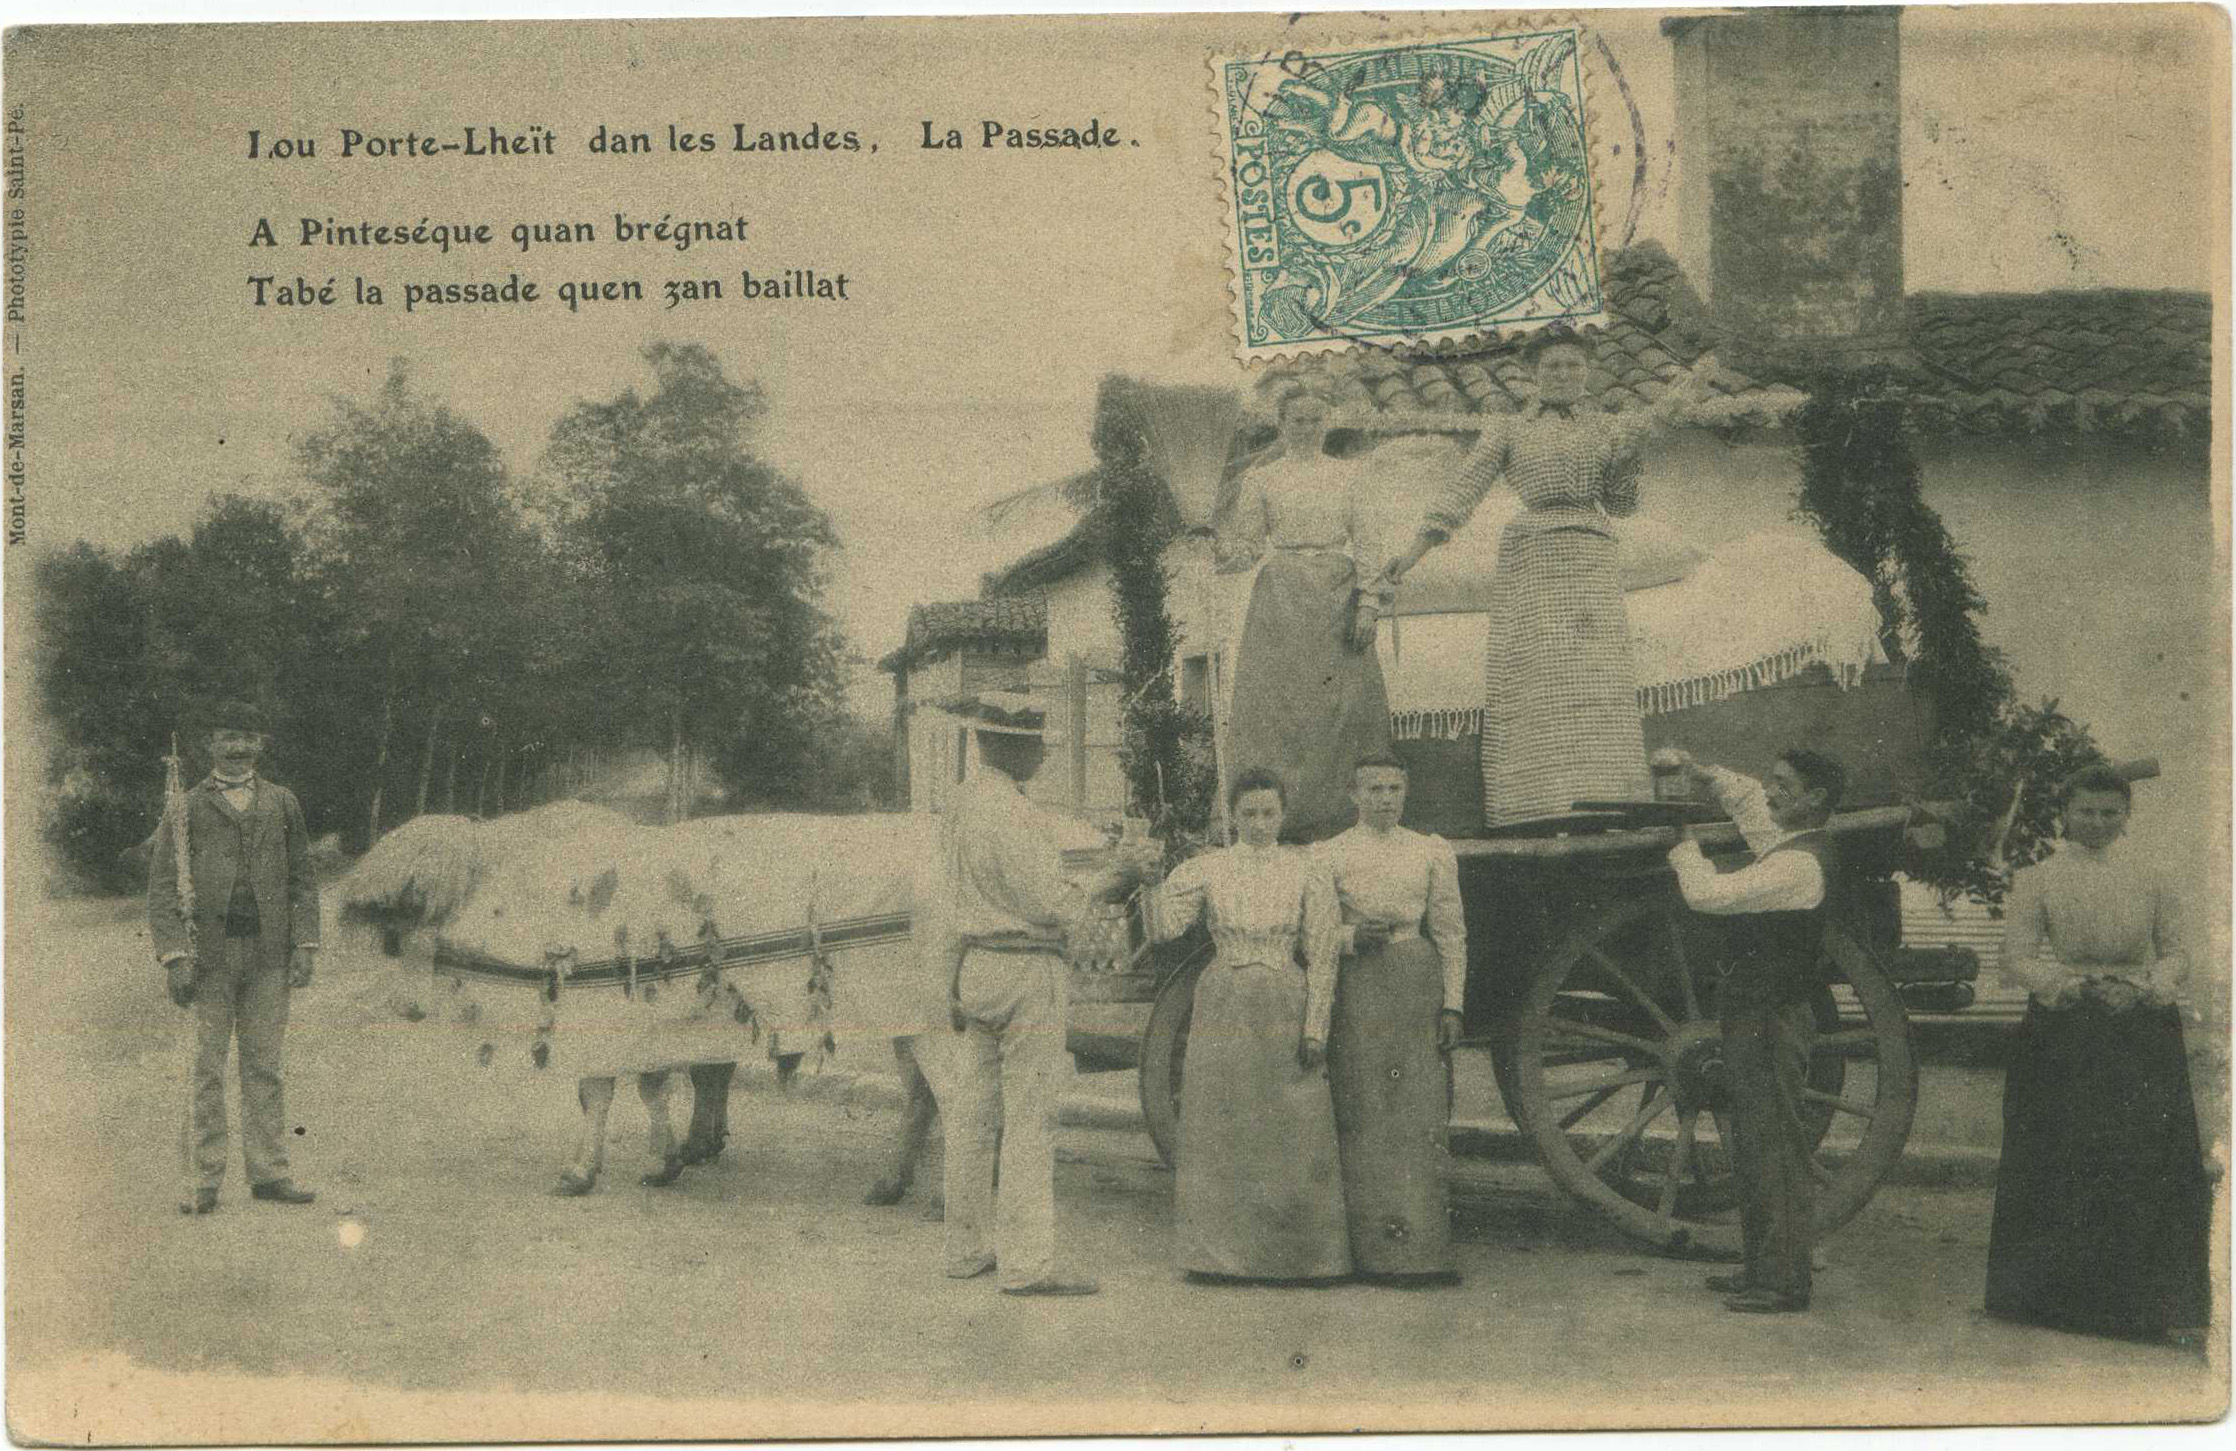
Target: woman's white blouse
(1264,905)
(1409,879)
(1294,504)
(2083,914)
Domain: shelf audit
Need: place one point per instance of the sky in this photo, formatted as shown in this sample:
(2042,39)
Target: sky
(2044,149)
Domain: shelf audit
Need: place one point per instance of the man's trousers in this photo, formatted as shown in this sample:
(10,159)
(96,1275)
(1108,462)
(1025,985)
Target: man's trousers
(1765,1037)
(235,995)
(1006,1086)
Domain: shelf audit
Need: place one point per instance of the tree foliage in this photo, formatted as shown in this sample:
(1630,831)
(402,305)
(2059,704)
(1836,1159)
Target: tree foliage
(2004,784)
(414,543)
(92,642)
(424,629)
(709,566)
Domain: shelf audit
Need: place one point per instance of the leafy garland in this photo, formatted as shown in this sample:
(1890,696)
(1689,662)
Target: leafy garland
(1172,776)
(1862,487)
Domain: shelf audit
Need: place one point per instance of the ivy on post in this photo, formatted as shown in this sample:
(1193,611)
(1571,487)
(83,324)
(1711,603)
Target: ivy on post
(1999,763)
(1165,749)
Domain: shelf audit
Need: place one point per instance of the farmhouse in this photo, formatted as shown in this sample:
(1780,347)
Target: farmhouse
(2047,422)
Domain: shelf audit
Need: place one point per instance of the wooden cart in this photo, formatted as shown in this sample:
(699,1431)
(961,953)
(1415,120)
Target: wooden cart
(1593,988)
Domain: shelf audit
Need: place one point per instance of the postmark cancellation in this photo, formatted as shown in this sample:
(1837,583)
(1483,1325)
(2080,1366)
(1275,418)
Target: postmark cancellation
(1403,193)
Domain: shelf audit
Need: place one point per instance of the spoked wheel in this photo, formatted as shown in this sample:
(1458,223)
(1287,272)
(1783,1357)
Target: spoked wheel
(1616,1067)
(1164,1049)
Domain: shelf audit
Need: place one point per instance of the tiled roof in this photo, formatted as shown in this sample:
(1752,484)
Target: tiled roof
(1998,364)
(1656,330)
(936,631)
(1049,563)
(2107,360)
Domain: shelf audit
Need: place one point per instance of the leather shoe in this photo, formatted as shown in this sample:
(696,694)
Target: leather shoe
(281,1191)
(1054,1287)
(203,1202)
(1730,1284)
(1766,1302)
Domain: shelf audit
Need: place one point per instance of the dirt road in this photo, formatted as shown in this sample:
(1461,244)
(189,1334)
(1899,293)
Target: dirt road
(437,1289)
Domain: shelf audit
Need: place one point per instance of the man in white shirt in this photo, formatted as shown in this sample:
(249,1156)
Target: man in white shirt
(1775,943)
(1010,908)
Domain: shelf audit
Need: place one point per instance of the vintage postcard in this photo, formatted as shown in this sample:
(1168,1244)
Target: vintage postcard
(919,727)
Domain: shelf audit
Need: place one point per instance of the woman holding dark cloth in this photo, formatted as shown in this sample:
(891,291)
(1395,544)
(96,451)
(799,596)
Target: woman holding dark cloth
(2103,1210)
(1257,1194)
(1308,693)
(1397,1014)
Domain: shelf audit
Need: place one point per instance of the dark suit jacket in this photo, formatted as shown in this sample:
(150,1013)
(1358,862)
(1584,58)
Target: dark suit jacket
(268,842)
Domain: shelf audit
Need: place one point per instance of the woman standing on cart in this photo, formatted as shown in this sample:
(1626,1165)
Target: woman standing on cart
(1257,1194)
(1308,693)
(1560,718)
(2103,1211)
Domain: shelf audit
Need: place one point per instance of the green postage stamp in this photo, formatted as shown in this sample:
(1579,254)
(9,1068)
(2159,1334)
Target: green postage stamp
(1408,193)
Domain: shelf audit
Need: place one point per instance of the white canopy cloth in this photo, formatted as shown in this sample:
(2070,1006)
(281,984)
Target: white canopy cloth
(1760,610)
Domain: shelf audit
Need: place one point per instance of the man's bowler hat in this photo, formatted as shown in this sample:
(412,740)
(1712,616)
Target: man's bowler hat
(236,715)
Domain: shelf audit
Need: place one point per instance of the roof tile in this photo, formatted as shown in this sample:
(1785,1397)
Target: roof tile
(1979,359)
(2123,354)
(938,630)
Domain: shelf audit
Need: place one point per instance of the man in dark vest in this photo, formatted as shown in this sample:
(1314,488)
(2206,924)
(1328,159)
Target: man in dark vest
(1777,906)
(235,931)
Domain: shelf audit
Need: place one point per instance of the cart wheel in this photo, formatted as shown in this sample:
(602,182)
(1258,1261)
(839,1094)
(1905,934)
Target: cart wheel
(1164,1048)
(1616,1066)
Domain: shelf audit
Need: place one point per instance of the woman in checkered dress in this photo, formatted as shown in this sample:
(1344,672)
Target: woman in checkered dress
(1560,717)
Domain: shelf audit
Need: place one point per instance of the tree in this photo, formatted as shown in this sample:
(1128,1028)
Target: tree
(132,649)
(91,633)
(706,569)
(421,640)
(225,616)
(415,538)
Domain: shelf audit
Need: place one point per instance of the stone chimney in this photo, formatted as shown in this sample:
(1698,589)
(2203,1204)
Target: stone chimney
(1789,136)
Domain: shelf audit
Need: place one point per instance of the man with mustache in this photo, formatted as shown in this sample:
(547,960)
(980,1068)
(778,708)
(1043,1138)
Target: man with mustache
(236,931)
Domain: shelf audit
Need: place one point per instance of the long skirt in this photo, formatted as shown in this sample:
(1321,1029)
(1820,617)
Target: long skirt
(1560,701)
(2103,1211)
(1392,1108)
(1257,1194)
(1306,705)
